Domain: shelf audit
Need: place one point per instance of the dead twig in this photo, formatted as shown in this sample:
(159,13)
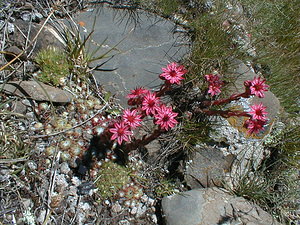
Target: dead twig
(51,187)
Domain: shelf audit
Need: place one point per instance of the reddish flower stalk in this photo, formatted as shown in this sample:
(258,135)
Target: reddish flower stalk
(233,97)
(166,87)
(144,141)
(223,113)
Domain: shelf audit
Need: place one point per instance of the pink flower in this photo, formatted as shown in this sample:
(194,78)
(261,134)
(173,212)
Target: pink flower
(121,132)
(258,87)
(215,84)
(138,92)
(254,126)
(136,96)
(131,118)
(150,103)
(165,117)
(173,73)
(258,112)
(212,78)
(214,90)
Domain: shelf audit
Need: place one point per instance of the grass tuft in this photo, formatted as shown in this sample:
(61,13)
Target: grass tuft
(274,187)
(276,30)
(54,66)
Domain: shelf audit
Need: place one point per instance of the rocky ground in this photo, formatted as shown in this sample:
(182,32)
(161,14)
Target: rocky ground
(54,167)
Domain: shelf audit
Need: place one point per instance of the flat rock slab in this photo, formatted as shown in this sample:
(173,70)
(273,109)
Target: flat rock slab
(147,42)
(207,167)
(36,91)
(212,206)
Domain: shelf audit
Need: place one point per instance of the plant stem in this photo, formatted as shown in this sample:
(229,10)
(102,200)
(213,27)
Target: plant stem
(144,141)
(225,114)
(233,97)
(166,87)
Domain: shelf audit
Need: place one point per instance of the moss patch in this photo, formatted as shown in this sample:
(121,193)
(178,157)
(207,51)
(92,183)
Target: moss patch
(111,179)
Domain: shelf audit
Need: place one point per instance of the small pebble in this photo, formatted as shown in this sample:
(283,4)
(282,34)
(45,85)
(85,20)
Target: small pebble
(85,188)
(116,207)
(151,201)
(144,198)
(32,165)
(41,216)
(132,204)
(134,210)
(64,168)
(154,218)
(141,209)
(76,181)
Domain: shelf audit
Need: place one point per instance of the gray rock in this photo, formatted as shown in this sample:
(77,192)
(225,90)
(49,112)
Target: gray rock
(212,206)
(13,51)
(47,37)
(146,43)
(207,167)
(239,72)
(36,91)
(19,107)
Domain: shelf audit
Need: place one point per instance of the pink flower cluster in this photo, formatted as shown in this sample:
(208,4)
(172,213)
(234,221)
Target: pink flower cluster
(147,103)
(258,118)
(256,86)
(215,84)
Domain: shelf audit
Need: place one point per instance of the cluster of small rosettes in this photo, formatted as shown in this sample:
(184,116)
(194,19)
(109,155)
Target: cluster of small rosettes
(71,123)
(70,150)
(147,104)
